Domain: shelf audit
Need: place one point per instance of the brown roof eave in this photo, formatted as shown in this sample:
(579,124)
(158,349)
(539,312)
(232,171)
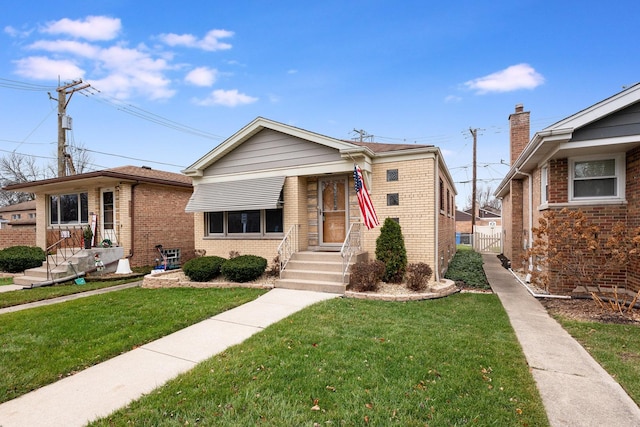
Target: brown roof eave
(31,186)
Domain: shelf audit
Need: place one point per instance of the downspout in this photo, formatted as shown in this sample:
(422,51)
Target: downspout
(530,240)
(132,216)
(436,202)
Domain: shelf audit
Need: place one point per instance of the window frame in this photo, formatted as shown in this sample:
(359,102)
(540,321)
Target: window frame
(263,233)
(80,206)
(619,176)
(544,184)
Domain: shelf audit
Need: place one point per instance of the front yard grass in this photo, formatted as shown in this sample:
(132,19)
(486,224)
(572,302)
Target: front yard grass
(9,299)
(6,280)
(41,345)
(451,361)
(615,347)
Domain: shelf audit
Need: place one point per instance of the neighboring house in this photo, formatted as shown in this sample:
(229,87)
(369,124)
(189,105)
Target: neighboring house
(588,161)
(488,220)
(18,224)
(269,181)
(19,215)
(136,208)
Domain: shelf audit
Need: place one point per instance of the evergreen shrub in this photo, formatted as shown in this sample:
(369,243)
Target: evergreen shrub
(16,259)
(391,251)
(204,268)
(244,268)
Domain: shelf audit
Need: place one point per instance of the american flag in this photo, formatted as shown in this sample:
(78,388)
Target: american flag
(367,211)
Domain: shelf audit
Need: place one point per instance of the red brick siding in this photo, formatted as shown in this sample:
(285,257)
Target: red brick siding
(604,217)
(633,211)
(515,235)
(19,236)
(558,181)
(160,219)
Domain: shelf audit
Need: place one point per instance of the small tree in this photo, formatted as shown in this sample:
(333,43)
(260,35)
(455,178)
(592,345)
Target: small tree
(391,251)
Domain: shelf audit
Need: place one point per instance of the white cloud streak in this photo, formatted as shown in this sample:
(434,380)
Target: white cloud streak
(515,77)
(210,42)
(227,98)
(93,28)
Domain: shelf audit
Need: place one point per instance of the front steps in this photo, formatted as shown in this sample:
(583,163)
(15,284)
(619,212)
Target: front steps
(69,266)
(315,271)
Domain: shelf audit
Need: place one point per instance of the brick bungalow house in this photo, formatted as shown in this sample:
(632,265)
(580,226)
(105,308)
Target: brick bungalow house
(18,224)
(272,185)
(588,161)
(135,208)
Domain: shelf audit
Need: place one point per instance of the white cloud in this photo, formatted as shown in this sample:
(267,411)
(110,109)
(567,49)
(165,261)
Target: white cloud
(515,77)
(91,28)
(86,50)
(210,42)
(14,32)
(202,76)
(451,99)
(228,98)
(43,68)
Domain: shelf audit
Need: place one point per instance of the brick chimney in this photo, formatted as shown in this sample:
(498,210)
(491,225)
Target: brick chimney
(519,131)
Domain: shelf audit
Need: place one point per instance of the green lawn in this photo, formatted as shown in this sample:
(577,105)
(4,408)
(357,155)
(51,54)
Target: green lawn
(6,280)
(446,362)
(9,299)
(41,345)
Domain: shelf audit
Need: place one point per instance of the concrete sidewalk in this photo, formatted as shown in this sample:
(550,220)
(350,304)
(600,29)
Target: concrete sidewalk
(101,389)
(575,389)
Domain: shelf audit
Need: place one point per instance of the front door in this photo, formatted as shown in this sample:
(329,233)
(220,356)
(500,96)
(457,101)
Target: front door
(333,210)
(108,223)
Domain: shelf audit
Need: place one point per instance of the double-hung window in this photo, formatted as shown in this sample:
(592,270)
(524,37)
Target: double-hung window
(544,185)
(597,177)
(69,209)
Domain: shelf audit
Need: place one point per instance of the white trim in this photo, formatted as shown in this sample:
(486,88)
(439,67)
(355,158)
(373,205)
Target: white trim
(620,176)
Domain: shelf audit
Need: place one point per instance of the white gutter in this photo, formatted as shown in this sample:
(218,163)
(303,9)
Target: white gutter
(535,294)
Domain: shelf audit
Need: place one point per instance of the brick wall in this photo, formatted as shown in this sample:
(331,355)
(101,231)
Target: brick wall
(559,181)
(160,219)
(603,216)
(516,231)
(17,236)
(633,211)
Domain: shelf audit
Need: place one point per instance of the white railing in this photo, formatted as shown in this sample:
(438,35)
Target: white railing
(288,247)
(351,246)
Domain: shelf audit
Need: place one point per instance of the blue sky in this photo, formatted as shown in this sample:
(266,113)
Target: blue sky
(171,80)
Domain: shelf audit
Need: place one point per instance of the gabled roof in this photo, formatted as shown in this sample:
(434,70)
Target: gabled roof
(121,174)
(253,128)
(555,140)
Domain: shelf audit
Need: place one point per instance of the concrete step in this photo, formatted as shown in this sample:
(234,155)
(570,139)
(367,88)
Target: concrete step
(328,266)
(311,285)
(309,274)
(317,256)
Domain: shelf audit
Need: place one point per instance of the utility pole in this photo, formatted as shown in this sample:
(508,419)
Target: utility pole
(68,89)
(363,134)
(474,134)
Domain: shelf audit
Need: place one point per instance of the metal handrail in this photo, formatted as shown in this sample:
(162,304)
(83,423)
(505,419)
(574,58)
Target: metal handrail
(352,245)
(288,247)
(68,240)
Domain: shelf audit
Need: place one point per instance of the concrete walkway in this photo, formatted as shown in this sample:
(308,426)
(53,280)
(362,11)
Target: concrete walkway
(575,389)
(101,389)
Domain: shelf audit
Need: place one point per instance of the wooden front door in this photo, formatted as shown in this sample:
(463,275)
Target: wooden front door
(333,210)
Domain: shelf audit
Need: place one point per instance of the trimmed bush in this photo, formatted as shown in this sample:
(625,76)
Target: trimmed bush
(365,276)
(391,251)
(204,268)
(17,259)
(466,269)
(244,268)
(418,276)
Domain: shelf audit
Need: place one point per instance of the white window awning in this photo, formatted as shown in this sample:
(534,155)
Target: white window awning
(248,194)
